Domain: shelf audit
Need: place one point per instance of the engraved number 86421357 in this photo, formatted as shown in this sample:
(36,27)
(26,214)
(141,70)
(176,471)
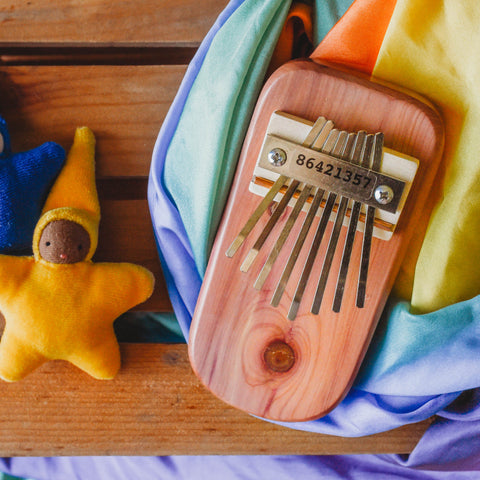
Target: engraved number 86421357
(334,171)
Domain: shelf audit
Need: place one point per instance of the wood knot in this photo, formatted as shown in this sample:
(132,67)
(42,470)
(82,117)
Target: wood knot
(279,356)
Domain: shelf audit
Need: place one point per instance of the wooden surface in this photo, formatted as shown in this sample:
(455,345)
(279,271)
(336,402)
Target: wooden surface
(234,324)
(123,105)
(116,68)
(150,22)
(155,406)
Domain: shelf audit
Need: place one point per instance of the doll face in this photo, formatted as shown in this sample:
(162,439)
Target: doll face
(64,241)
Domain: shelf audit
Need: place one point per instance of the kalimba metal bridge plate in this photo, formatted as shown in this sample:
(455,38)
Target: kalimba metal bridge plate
(331,173)
(347,178)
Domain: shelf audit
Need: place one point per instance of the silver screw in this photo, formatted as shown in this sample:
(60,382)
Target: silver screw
(383,194)
(277,157)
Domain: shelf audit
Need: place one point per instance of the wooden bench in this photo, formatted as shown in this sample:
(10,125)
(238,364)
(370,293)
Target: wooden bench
(115,67)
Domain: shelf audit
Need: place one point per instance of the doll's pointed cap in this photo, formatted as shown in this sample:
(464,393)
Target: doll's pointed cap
(74,195)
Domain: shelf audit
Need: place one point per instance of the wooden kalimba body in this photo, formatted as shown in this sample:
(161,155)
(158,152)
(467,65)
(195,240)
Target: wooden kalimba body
(294,289)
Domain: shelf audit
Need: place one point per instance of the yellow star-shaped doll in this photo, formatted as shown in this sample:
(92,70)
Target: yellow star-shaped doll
(58,304)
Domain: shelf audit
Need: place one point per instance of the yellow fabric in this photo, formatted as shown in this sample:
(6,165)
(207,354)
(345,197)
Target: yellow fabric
(432,48)
(66,311)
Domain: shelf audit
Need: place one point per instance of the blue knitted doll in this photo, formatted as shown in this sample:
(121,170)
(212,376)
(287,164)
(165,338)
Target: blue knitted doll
(25,179)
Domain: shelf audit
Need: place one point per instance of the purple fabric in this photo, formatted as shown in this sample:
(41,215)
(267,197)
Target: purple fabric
(363,413)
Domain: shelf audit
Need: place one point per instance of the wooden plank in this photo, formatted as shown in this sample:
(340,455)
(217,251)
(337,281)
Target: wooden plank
(155,406)
(123,105)
(126,235)
(128,22)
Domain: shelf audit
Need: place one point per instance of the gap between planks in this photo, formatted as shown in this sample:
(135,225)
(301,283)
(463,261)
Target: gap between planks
(58,55)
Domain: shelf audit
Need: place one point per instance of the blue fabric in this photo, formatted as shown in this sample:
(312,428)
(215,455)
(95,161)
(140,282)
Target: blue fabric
(25,179)
(426,354)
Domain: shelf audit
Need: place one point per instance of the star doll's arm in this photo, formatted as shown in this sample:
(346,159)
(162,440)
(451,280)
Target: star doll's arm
(13,272)
(127,284)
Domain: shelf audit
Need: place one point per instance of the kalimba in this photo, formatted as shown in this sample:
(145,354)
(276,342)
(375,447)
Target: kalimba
(297,280)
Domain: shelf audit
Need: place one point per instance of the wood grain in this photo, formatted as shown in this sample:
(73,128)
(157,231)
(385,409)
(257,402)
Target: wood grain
(234,324)
(155,406)
(128,22)
(123,105)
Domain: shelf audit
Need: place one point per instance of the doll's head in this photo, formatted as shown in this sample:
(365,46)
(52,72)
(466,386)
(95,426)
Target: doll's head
(64,241)
(65,236)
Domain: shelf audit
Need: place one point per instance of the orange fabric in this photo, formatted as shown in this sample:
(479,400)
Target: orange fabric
(357,37)
(297,31)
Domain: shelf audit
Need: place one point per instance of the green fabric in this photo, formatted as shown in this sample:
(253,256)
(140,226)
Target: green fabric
(235,65)
(326,14)
(148,327)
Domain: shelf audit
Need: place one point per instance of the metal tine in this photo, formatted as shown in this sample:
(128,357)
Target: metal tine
(326,146)
(292,188)
(365,143)
(292,259)
(342,143)
(267,267)
(352,156)
(259,211)
(252,254)
(368,232)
